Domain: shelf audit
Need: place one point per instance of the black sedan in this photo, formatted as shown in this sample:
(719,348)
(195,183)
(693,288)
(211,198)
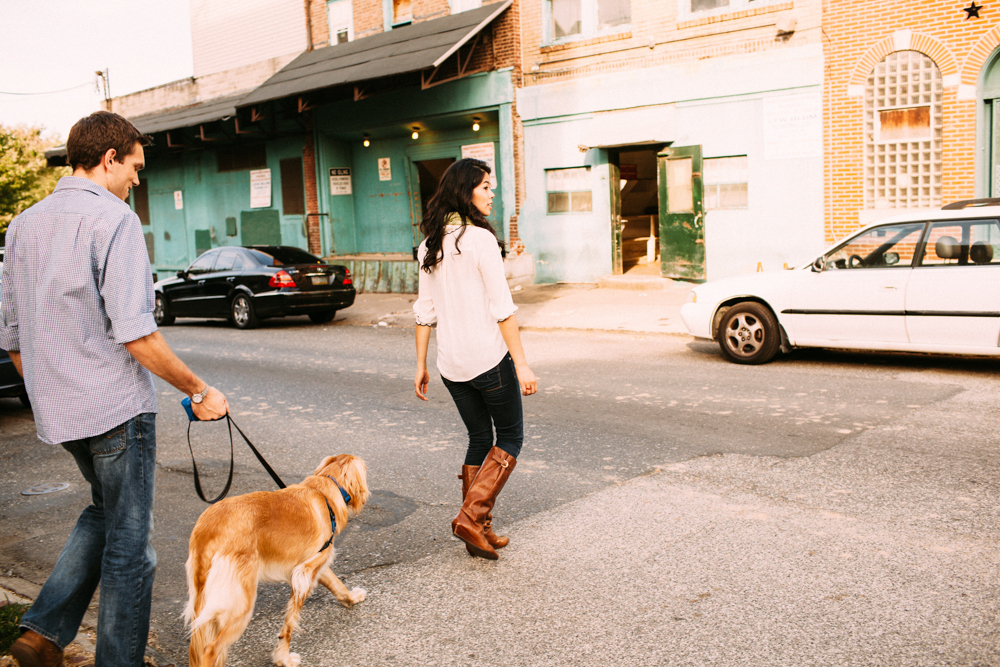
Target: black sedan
(251,283)
(11,384)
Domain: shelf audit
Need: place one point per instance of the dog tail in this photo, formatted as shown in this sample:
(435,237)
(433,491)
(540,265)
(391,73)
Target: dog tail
(220,605)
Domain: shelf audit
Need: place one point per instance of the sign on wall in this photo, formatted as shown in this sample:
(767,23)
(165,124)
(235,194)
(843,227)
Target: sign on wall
(793,126)
(178,200)
(485,153)
(260,188)
(340,181)
(384,169)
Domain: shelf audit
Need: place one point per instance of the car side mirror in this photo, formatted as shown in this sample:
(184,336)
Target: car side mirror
(891,258)
(819,264)
(182,274)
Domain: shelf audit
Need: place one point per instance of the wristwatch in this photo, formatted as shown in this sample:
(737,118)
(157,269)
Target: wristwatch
(198,398)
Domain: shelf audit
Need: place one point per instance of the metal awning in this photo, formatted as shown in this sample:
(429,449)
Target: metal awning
(188,116)
(412,48)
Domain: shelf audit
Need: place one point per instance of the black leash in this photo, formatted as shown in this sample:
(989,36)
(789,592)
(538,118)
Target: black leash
(229,482)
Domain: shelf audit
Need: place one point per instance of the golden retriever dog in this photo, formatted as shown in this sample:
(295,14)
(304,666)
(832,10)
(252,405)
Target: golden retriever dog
(274,536)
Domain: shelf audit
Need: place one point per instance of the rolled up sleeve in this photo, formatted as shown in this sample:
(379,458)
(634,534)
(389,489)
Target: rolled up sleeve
(423,308)
(126,283)
(491,267)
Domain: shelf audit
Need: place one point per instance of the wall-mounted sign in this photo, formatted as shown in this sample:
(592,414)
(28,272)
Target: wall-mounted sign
(260,188)
(485,153)
(384,169)
(340,181)
(178,200)
(793,126)
(629,172)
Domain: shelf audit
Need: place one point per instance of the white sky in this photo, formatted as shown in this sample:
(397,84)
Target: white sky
(50,45)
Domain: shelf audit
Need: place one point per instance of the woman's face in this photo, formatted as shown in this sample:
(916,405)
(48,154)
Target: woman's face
(482,196)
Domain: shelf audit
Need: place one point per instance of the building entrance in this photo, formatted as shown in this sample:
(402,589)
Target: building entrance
(637,221)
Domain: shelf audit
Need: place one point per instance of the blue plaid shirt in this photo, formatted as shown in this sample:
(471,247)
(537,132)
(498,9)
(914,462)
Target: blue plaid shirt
(76,287)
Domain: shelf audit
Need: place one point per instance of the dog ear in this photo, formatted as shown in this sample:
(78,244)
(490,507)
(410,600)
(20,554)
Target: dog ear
(355,474)
(324,463)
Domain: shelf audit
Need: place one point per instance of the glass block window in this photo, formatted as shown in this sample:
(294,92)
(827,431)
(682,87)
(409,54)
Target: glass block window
(725,180)
(569,190)
(903,111)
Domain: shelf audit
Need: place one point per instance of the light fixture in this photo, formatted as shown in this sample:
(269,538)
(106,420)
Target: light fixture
(416,132)
(475,124)
(367,142)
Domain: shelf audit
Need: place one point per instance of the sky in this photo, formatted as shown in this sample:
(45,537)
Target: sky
(57,45)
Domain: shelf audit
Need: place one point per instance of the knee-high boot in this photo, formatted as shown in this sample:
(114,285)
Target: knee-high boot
(496,541)
(469,525)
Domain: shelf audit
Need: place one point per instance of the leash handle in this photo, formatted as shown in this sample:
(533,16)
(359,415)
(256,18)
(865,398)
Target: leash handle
(229,482)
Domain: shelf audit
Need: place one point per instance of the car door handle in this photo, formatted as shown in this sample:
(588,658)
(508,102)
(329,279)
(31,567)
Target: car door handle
(230,279)
(201,282)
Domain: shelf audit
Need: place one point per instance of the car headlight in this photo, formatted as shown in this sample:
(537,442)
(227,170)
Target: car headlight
(692,297)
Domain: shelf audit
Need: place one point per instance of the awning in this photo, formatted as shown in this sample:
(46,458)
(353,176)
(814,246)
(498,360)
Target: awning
(189,116)
(412,48)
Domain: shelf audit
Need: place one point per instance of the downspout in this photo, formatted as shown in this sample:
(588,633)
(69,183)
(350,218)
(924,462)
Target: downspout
(309,25)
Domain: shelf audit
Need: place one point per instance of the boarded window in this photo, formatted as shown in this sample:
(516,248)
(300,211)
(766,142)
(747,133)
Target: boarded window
(140,201)
(293,192)
(341,19)
(402,12)
(725,180)
(566,18)
(613,12)
(569,190)
(913,124)
(242,157)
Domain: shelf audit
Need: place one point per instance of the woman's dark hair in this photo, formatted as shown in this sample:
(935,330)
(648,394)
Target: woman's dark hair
(454,195)
(91,137)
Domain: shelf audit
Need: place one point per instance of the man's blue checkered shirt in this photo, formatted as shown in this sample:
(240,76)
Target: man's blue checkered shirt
(76,287)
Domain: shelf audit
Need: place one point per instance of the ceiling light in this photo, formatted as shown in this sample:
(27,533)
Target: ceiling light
(475,124)
(367,142)
(416,132)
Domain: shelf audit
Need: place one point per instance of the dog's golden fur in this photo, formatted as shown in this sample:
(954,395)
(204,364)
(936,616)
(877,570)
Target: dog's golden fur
(267,536)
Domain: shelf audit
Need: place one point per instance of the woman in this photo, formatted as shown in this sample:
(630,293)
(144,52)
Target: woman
(463,290)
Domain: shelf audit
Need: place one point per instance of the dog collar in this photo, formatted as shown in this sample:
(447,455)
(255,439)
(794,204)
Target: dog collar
(333,519)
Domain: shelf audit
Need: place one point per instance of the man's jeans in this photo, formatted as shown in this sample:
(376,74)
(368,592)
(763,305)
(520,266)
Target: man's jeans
(491,399)
(110,545)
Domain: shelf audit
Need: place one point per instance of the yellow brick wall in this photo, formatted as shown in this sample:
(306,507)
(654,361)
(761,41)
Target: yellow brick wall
(857,36)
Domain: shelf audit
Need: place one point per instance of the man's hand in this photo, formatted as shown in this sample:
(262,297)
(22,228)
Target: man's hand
(214,406)
(420,383)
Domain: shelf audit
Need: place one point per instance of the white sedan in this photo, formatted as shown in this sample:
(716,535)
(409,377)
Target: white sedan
(915,283)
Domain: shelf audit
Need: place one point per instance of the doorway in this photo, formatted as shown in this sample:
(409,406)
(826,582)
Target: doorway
(640,213)
(426,174)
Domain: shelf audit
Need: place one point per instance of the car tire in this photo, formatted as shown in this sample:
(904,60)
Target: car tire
(161,312)
(242,313)
(749,334)
(323,317)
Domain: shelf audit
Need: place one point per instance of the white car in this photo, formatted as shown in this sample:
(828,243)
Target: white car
(916,283)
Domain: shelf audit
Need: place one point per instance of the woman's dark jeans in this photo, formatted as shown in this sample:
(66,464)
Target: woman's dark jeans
(490,400)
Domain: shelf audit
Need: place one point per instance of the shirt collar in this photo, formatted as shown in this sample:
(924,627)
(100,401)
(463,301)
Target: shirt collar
(80,183)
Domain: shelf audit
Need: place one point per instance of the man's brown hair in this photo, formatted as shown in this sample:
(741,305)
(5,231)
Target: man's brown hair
(91,137)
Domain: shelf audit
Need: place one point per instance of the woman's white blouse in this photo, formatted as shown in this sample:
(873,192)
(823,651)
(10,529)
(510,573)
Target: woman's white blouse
(466,295)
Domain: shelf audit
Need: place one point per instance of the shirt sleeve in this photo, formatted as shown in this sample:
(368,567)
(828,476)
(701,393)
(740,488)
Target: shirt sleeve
(423,308)
(8,305)
(495,279)
(126,282)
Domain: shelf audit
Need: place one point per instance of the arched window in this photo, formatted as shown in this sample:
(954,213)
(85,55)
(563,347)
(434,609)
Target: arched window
(903,133)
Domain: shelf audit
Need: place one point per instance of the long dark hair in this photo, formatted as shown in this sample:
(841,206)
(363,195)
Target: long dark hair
(454,195)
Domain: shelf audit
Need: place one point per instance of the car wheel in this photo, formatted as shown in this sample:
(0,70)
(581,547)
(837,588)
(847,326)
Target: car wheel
(749,334)
(25,401)
(161,312)
(242,312)
(322,318)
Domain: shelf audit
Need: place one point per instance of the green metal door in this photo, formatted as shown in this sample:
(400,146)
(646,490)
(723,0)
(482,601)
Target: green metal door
(682,229)
(416,203)
(617,225)
(169,228)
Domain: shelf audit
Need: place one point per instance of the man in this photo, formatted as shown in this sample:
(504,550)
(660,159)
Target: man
(77,320)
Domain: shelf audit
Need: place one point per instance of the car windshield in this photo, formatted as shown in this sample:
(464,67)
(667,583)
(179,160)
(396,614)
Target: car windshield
(279,256)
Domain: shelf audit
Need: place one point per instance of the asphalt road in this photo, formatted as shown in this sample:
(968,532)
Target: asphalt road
(613,411)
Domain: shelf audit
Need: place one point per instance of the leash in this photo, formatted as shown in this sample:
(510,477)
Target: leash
(231,424)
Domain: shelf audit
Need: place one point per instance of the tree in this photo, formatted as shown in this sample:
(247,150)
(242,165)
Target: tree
(25,178)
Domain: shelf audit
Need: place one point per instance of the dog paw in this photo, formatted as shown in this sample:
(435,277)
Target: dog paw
(288,660)
(358,595)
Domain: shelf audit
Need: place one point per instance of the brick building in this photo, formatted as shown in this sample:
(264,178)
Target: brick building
(909,102)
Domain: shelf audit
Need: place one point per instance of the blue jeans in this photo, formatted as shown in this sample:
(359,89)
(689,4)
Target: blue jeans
(490,400)
(110,545)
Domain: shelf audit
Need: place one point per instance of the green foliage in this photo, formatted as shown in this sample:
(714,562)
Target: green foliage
(25,178)
(10,617)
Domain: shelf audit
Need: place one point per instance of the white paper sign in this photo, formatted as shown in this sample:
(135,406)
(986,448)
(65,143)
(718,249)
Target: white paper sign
(485,153)
(340,181)
(793,126)
(178,200)
(260,188)
(384,169)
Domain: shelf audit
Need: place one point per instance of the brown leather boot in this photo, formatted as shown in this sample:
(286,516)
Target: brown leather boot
(469,525)
(34,650)
(496,541)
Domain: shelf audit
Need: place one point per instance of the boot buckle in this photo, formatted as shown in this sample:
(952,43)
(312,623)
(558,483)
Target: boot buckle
(503,464)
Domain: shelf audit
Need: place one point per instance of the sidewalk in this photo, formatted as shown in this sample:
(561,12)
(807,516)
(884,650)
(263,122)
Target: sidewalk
(552,306)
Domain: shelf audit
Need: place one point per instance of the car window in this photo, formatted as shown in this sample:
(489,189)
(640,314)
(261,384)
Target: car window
(204,263)
(225,261)
(962,243)
(883,247)
(238,263)
(281,255)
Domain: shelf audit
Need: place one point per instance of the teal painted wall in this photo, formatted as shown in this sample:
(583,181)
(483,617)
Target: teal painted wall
(209,197)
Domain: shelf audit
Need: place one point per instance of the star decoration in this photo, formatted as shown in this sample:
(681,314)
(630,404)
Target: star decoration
(972,10)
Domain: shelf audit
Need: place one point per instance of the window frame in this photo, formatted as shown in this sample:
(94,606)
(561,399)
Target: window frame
(922,248)
(705,185)
(684,12)
(570,193)
(388,16)
(350,24)
(588,19)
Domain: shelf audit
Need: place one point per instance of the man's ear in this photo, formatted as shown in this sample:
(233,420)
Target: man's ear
(109,157)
